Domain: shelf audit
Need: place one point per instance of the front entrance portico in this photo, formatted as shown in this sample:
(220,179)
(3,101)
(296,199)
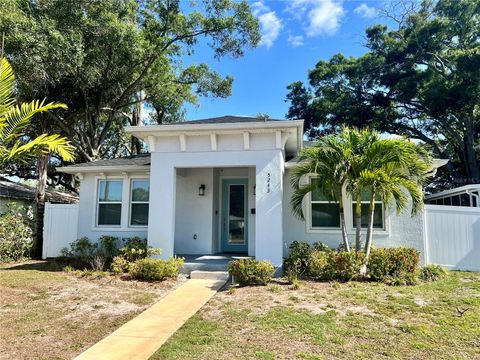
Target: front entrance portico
(268,165)
(185,153)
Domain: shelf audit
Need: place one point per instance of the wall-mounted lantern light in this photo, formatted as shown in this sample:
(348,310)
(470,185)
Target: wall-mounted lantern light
(201,190)
(254,189)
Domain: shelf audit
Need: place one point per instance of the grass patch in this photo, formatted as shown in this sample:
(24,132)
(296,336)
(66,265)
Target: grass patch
(47,313)
(328,321)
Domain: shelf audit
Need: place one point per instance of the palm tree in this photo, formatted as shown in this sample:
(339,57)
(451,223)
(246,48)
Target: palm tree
(395,171)
(14,119)
(329,162)
(360,161)
(358,142)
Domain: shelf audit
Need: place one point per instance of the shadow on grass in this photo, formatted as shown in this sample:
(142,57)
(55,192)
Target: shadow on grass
(39,265)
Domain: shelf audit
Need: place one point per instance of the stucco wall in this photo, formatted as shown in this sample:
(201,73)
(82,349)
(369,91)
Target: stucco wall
(87,210)
(193,213)
(402,230)
(268,173)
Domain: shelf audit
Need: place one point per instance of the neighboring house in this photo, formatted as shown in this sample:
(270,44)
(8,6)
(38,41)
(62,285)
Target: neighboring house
(24,195)
(466,196)
(218,185)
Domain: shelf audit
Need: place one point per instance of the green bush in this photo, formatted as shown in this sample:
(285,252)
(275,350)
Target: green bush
(136,248)
(432,272)
(296,264)
(251,272)
(155,269)
(319,265)
(81,252)
(16,239)
(108,247)
(84,253)
(391,264)
(119,265)
(345,266)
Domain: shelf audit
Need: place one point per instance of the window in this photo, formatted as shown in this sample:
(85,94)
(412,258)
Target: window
(378,214)
(109,202)
(139,202)
(324,212)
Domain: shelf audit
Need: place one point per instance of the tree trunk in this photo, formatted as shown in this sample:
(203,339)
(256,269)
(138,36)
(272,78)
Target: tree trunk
(343,227)
(137,120)
(371,213)
(42,168)
(473,173)
(358,222)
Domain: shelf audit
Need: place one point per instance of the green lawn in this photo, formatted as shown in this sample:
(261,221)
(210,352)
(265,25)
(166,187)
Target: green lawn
(46,313)
(438,320)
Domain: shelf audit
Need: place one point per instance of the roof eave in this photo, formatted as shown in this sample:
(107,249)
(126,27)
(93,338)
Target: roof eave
(102,169)
(172,129)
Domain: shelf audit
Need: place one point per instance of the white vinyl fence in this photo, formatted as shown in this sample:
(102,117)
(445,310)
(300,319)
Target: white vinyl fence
(59,229)
(452,236)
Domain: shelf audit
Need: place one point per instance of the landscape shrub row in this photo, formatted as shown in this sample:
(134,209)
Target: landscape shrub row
(130,255)
(319,262)
(395,266)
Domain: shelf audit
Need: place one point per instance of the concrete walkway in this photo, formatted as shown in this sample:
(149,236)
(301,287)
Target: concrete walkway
(142,336)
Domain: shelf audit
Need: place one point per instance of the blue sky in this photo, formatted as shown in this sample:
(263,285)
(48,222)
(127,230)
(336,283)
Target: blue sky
(295,35)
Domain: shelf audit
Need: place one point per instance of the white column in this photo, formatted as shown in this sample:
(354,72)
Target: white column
(161,217)
(269,198)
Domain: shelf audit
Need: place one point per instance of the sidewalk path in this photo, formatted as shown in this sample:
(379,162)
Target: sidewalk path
(142,336)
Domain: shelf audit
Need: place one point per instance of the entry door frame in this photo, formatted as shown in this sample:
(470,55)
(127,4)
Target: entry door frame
(232,180)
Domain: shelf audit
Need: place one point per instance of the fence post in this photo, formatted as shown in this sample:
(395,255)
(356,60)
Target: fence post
(425,238)
(46,230)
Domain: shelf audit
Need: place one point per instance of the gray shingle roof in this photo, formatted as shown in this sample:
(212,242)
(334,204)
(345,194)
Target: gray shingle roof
(134,160)
(227,119)
(13,190)
(144,159)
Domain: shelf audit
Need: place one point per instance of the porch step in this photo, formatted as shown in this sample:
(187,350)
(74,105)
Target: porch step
(209,275)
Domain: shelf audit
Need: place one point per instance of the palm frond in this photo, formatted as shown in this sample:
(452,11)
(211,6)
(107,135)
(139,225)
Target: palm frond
(17,118)
(42,144)
(7,85)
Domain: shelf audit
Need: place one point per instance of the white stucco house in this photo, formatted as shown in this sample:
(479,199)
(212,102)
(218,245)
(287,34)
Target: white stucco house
(217,185)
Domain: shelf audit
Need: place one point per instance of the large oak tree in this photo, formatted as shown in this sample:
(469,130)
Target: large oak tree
(420,79)
(102,58)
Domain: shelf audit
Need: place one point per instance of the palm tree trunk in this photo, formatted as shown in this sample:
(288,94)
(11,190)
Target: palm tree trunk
(343,227)
(40,204)
(371,213)
(358,222)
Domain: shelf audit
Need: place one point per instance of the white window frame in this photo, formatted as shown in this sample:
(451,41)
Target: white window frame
(349,216)
(131,202)
(99,202)
(124,227)
(308,212)
(377,203)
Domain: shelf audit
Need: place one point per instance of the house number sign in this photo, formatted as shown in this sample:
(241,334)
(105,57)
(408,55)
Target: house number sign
(268,182)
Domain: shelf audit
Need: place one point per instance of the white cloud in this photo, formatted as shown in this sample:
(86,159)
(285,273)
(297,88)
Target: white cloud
(270,23)
(366,11)
(295,40)
(322,16)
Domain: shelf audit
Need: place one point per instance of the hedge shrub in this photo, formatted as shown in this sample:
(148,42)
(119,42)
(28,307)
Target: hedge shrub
(432,272)
(16,236)
(334,265)
(156,269)
(296,264)
(393,265)
(251,272)
(345,266)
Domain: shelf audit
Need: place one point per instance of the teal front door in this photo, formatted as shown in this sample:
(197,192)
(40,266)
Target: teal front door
(235,215)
